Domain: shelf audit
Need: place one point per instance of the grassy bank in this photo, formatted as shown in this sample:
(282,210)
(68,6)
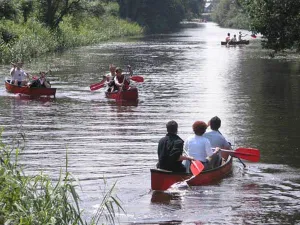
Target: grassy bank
(22,41)
(37,199)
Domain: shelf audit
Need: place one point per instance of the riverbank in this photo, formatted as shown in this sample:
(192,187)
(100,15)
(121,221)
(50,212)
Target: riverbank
(32,39)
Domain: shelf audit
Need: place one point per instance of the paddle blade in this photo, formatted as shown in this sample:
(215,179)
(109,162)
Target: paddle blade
(250,154)
(137,78)
(196,167)
(253,35)
(96,87)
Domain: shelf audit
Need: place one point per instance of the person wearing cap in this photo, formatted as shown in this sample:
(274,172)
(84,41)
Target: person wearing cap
(18,75)
(120,80)
(214,136)
(170,149)
(199,147)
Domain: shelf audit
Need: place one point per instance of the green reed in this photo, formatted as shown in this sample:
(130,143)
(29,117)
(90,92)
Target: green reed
(32,39)
(30,200)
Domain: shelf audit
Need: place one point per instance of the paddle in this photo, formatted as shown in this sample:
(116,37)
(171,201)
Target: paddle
(250,154)
(196,166)
(97,86)
(253,35)
(101,84)
(137,78)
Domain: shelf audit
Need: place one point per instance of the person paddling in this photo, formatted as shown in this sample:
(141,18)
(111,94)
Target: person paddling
(199,147)
(214,136)
(240,36)
(40,82)
(233,39)
(170,149)
(110,78)
(19,76)
(120,80)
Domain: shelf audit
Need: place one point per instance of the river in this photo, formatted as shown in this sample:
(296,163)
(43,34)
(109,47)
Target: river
(188,76)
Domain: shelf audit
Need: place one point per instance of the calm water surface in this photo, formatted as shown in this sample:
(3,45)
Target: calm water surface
(188,76)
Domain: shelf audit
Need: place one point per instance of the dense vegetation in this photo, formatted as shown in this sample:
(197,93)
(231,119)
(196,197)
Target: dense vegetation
(160,16)
(276,20)
(228,13)
(29,28)
(36,199)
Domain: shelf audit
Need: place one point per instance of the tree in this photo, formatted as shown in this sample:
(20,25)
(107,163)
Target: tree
(159,16)
(53,11)
(7,10)
(26,8)
(278,21)
(230,13)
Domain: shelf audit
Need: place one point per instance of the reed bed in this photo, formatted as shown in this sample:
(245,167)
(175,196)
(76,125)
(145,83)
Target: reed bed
(30,200)
(32,39)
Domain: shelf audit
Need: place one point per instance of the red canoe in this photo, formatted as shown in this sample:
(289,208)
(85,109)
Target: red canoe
(29,91)
(161,180)
(128,95)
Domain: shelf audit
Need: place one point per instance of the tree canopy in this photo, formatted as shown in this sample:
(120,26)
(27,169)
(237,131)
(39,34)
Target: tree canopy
(160,16)
(276,20)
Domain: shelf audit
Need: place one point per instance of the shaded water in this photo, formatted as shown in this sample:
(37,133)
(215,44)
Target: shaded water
(188,76)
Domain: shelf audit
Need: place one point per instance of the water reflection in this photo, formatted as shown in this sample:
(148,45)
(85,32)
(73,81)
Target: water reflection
(124,103)
(167,198)
(27,98)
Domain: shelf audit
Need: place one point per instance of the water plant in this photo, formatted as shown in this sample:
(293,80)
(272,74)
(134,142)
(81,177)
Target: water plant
(36,199)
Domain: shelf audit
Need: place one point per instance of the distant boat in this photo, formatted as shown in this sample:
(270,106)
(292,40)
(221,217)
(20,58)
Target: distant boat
(243,42)
(33,91)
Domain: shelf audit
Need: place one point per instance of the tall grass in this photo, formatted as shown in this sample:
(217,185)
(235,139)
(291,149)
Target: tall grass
(94,30)
(29,200)
(33,39)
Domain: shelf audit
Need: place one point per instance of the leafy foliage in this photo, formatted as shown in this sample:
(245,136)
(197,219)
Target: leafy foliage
(159,16)
(7,9)
(228,13)
(278,21)
(52,12)
(30,33)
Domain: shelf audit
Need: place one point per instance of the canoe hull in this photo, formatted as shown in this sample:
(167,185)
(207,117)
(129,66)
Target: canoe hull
(29,91)
(161,180)
(128,95)
(245,42)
